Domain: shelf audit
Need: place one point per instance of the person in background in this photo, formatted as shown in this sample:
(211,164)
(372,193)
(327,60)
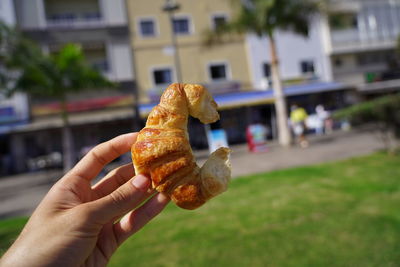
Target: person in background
(298,118)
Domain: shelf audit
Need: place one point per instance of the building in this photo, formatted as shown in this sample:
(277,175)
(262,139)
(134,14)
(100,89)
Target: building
(146,45)
(310,65)
(237,70)
(7,13)
(14,111)
(363,37)
(100,27)
(222,67)
(170,48)
(305,67)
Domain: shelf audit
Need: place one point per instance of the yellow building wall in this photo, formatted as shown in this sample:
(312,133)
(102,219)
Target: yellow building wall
(150,52)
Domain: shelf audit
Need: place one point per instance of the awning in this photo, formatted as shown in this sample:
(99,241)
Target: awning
(225,101)
(79,118)
(312,88)
(252,98)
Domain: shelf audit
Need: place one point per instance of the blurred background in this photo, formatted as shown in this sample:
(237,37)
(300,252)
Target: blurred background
(297,83)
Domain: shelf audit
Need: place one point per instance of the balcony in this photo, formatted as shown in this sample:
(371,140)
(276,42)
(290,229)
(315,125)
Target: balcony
(73,13)
(70,20)
(374,25)
(355,40)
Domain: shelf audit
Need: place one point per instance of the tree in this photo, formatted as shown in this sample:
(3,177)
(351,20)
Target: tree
(30,70)
(382,112)
(9,40)
(264,18)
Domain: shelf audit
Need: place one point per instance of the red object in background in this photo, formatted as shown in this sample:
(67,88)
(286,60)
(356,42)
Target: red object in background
(84,105)
(256,135)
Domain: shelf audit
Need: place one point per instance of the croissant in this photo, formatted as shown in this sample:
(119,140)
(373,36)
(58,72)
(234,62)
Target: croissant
(163,153)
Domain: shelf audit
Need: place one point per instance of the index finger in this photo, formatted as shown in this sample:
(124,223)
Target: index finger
(95,160)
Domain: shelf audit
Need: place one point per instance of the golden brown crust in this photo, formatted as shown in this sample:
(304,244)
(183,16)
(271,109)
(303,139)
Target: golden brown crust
(162,150)
(188,196)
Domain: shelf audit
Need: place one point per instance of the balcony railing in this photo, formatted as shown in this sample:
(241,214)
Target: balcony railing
(70,20)
(354,39)
(345,36)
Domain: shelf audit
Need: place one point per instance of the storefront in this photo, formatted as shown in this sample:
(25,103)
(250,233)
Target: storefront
(238,110)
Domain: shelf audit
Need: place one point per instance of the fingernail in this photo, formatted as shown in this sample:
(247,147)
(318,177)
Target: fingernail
(141,182)
(162,198)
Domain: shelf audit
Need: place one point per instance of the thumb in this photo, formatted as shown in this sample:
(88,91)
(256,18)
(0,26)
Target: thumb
(123,199)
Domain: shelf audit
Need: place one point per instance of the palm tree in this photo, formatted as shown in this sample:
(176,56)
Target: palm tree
(53,76)
(9,39)
(264,18)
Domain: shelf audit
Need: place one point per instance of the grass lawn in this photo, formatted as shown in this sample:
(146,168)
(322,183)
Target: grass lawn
(337,214)
(9,229)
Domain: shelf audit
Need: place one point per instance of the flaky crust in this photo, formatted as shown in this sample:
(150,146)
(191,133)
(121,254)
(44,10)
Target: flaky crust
(162,150)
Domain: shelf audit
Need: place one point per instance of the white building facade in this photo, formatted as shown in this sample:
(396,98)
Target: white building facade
(364,36)
(302,59)
(354,45)
(100,26)
(7,13)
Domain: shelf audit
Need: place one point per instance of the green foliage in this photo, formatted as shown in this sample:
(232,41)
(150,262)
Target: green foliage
(8,40)
(374,109)
(26,68)
(384,110)
(59,74)
(264,17)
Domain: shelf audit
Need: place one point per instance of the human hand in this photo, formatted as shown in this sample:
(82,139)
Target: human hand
(78,224)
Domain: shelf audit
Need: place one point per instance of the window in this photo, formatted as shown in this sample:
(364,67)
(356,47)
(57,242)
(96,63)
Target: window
(218,21)
(307,67)
(101,65)
(147,27)
(266,67)
(162,76)
(92,16)
(218,72)
(181,25)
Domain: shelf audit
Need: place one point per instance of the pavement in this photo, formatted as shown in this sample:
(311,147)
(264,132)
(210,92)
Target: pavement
(20,194)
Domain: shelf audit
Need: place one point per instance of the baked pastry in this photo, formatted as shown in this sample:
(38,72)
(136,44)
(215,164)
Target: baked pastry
(162,150)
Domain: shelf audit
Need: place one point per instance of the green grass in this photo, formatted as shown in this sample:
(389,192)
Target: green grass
(9,229)
(338,214)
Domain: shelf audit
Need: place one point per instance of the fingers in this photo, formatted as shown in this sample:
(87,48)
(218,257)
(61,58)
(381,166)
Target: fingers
(120,201)
(113,180)
(135,220)
(94,161)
